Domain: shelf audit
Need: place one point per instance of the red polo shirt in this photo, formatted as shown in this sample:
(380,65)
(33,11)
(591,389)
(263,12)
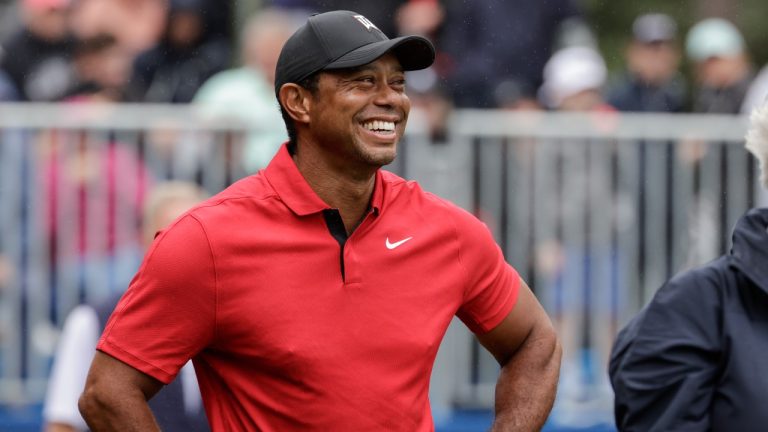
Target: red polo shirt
(292,327)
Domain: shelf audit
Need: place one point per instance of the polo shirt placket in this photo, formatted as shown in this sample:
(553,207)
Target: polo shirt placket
(293,190)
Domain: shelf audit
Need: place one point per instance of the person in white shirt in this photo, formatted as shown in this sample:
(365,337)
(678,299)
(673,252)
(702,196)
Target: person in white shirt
(84,324)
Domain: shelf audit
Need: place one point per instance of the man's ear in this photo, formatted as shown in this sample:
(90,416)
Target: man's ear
(297,101)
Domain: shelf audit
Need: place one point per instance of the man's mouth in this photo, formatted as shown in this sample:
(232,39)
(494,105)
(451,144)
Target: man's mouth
(380,127)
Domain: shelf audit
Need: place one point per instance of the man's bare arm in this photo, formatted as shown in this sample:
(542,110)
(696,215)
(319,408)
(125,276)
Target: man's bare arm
(115,397)
(525,345)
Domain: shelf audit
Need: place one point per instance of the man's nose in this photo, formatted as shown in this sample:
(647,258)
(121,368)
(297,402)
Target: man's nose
(388,96)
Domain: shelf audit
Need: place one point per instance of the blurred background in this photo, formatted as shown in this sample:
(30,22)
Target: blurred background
(602,143)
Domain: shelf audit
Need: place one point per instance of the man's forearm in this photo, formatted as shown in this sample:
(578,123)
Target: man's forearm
(525,390)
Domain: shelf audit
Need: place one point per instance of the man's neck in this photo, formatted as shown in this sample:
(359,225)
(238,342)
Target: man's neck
(348,190)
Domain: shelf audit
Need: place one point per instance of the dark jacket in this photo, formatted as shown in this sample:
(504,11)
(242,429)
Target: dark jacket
(695,358)
(628,93)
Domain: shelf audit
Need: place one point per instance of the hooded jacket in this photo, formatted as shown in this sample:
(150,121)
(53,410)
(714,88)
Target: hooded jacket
(696,357)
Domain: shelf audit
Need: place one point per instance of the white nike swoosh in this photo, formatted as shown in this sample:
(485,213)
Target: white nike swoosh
(396,244)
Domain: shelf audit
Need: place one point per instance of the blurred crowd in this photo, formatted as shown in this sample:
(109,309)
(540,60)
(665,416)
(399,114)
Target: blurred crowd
(502,54)
(512,54)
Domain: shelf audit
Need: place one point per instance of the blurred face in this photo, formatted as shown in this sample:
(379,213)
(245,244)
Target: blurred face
(585,100)
(263,50)
(653,63)
(47,22)
(721,72)
(184,28)
(359,115)
(115,67)
(109,67)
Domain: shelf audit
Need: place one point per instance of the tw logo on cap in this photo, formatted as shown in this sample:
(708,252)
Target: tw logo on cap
(366,22)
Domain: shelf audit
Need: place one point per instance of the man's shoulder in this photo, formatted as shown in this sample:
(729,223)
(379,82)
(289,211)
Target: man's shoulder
(709,275)
(402,189)
(697,287)
(250,191)
(411,194)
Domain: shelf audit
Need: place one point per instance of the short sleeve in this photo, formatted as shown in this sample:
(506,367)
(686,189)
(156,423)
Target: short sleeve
(167,315)
(492,285)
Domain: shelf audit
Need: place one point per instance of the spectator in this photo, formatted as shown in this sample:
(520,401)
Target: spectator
(91,186)
(693,358)
(37,57)
(573,81)
(137,25)
(103,68)
(422,17)
(577,261)
(178,407)
(723,70)
(185,58)
(651,81)
(486,44)
(247,93)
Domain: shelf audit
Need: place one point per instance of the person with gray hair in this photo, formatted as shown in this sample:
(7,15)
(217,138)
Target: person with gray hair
(692,358)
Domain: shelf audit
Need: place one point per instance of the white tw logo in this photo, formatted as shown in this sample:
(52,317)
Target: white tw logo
(366,22)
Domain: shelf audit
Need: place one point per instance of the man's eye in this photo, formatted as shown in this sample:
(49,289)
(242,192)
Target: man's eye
(366,80)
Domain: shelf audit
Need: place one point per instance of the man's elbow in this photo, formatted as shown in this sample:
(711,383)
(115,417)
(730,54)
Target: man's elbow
(542,345)
(550,347)
(91,402)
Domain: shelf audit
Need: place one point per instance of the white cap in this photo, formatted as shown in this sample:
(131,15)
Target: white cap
(571,71)
(713,37)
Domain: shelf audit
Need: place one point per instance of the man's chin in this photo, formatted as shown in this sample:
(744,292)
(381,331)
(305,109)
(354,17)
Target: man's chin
(380,157)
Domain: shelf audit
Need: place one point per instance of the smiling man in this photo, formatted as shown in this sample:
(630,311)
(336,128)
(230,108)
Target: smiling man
(314,294)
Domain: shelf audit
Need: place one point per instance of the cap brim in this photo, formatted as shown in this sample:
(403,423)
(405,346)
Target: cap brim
(413,52)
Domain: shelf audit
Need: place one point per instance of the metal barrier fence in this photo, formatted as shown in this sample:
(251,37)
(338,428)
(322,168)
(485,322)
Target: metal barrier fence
(595,211)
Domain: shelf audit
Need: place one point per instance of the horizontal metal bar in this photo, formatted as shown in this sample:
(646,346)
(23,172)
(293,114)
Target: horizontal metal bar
(466,122)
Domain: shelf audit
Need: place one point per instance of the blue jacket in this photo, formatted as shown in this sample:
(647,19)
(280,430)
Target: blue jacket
(696,358)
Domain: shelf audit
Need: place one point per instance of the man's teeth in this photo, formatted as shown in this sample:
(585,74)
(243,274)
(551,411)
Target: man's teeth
(377,125)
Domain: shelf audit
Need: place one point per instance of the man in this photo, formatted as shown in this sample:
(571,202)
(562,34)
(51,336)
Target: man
(37,57)
(651,82)
(314,294)
(694,358)
(187,54)
(722,66)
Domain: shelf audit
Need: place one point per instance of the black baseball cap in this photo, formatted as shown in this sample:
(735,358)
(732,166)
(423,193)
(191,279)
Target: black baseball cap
(344,39)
